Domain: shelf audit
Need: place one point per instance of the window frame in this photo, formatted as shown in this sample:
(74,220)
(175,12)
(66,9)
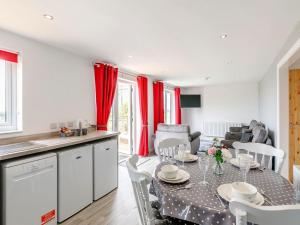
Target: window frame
(172,105)
(13,120)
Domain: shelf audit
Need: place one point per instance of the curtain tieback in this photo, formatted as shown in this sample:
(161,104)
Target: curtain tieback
(102,125)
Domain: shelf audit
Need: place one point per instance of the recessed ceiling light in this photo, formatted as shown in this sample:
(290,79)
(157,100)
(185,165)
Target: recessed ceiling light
(130,56)
(48,17)
(223,36)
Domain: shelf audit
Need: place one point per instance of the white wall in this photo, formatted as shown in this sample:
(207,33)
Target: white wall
(57,86)
(222,103)
(268,87)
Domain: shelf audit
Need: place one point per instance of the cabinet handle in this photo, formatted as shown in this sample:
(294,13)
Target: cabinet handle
(78,157)
(107,149)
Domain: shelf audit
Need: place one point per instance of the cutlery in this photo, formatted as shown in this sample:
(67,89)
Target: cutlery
(220,200)
(188,186)
(267,198)
(262,169)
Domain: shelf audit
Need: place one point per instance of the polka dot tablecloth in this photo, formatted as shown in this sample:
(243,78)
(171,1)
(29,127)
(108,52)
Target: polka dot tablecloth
(200,205)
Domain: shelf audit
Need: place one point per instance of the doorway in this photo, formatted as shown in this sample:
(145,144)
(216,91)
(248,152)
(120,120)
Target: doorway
(125,117)
(122,118)
(294,120)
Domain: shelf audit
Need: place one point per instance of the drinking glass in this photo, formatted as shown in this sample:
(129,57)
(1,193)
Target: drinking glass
(244,164)
(296,186)
(181,154)
(203,166)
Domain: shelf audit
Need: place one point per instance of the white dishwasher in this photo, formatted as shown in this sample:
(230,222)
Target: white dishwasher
(105,167)
(75,180)
(29,191)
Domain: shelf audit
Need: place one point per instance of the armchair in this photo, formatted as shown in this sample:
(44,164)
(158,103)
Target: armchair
(165,131)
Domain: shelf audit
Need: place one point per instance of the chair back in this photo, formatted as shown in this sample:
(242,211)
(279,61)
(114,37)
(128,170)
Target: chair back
(166,131)
(263,150)
(168,148)
(139,181)
(264,215)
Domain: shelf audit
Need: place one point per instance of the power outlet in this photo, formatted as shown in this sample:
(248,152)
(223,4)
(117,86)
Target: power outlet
(53,126)
(70,124)
(61,124)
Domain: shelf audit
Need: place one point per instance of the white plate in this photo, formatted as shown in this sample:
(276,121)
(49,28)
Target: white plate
(179,176)
(225,191)
(185,176)
(190,158)
(235,162)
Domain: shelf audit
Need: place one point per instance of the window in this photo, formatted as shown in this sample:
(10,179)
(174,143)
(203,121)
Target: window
(169,106)
(9,105)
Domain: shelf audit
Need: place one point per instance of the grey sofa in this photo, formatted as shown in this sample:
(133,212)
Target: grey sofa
(165,131)
(256,132)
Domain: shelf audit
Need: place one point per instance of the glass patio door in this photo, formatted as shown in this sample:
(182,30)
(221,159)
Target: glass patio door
(124,117)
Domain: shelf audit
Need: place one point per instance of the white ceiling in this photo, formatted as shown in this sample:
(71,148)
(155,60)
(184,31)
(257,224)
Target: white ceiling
(174,40)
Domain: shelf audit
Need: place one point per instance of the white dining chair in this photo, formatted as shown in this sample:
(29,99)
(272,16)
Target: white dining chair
(148,211)
(139,181)
(264,215)
(168,148)
(263,150)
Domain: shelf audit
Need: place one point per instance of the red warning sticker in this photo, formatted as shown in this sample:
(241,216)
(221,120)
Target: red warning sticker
(47,217)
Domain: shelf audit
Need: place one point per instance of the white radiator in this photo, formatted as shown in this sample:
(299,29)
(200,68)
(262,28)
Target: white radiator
(217,128)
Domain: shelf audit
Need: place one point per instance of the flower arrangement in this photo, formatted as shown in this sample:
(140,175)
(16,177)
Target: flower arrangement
(220,153)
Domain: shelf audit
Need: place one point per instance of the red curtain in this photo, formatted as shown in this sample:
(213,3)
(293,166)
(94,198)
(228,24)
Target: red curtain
(9,56)
(143,100)
(158,103)
(177,106)
(105,82)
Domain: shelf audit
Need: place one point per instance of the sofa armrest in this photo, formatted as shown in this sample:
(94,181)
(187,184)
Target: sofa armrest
(236,136)
(194,135)
(235,129)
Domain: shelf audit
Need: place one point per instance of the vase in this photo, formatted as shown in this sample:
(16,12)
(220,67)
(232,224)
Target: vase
(218,170)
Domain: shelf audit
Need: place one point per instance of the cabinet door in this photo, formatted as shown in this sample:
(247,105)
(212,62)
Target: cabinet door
(75,180)
(105,167)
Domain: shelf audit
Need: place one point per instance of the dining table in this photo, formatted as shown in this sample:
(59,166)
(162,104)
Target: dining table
(201,204)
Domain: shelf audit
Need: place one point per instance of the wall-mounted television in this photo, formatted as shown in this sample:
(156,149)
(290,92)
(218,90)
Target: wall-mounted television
(190,101)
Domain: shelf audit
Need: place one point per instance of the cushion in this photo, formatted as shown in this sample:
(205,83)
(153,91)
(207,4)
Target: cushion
(246,137)
(252,124)
(173,128)
(260,134)
(194,135)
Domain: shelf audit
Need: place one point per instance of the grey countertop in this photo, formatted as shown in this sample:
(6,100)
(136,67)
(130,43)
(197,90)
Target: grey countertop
(38,146)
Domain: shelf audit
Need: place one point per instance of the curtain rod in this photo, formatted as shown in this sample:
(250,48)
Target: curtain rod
(135,75)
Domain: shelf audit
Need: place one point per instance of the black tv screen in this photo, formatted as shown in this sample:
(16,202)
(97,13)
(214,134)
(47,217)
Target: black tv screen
(190,101)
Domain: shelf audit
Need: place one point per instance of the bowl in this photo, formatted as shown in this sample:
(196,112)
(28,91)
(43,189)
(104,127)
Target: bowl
(169,171)
(243,191)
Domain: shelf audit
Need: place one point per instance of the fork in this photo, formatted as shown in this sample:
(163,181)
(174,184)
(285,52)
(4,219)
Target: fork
(188,186)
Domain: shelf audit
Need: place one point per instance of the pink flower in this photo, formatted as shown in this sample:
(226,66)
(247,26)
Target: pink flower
(212,151)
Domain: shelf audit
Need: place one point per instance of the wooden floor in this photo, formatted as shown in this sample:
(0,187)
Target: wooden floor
(116,208)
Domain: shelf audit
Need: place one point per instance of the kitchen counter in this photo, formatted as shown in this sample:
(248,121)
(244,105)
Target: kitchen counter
(38,146)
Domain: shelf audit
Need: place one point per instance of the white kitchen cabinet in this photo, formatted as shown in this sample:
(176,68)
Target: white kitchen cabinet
(105,167)
(75,180)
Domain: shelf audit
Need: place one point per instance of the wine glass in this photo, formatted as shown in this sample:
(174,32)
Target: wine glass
(203,166)
(244,164)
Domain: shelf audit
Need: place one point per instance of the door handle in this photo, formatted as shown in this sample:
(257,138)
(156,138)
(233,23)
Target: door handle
(107,149)
(79,157)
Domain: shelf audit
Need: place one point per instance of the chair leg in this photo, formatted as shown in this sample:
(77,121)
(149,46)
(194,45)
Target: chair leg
(241,217)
